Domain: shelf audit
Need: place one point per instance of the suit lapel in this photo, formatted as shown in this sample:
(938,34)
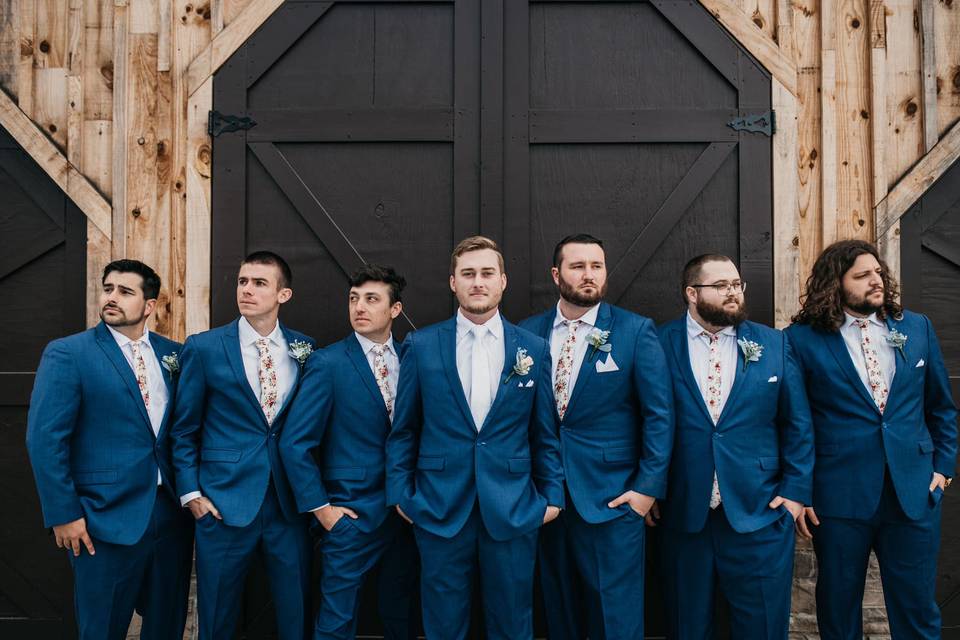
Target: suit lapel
(231,344)
(160,352)
(588,366)
(112,350)
(298,368)
(681,353)
(900,363)
(359,361)
(448,353)
(833,342)
(741,373)
(510,347)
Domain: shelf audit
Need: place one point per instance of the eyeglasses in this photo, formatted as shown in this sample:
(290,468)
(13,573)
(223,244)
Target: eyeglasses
(723,288)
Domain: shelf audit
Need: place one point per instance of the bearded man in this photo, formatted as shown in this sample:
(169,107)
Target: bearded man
(613,402)
(886,442)
(742,461)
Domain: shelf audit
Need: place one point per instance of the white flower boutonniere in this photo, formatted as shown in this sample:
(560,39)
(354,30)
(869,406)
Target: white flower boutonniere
(751,351)
(171,363)
(897,340)
(598,342)
(522,365)
(300,351)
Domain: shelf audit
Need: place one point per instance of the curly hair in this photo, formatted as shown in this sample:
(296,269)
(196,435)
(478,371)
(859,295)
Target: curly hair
(822,304)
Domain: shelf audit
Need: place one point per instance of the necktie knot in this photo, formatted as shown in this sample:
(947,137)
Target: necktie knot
(572,325)
(863,323)
(262,345)
(379,349)
(712,337)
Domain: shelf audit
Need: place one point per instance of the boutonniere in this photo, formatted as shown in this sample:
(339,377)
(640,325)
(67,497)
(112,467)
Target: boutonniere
(598,342)
(522,365)
(300,351)
(171,363)
(751,351)
(897,340)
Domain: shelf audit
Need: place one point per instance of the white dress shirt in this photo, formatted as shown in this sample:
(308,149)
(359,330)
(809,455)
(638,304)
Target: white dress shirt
(492,341)
(155,382)
(588,322)
(878,337)
(699,348)
(389,355)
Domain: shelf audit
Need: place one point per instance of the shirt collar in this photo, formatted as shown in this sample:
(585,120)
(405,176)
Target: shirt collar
(465,326)
(366,344)
(589,318)
(694,329)
(123,340)
(872,319)
(249,335)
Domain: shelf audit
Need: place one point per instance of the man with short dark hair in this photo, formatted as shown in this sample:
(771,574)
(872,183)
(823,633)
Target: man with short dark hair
(886,442)
(96,438)
(342,415)
(473,457)
(741,466)
(612,398)
(237,382)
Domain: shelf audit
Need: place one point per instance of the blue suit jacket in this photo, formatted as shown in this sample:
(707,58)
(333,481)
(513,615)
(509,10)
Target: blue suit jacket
(762,445)
(439,465)
(915,436)
(222,444)
(339,410)
(92,448)
(617,432)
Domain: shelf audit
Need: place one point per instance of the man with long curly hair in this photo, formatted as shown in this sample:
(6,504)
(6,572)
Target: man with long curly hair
(886,442)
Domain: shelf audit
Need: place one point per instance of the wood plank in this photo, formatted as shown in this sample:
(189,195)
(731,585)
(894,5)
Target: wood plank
(275,36)
(828,143)
(786,213)
(909,189)
(50,103)
(903,142)
(928,73)
(121,65)
(55,164)
(294,125)
(26,13)
(229,40)
(631,125)
(97,159)
(946,23)
(889,244)
(806,29)
(760,45)
(144,16)
(75,121)
(98,70)
(492,120)
(216,17)
(164,43)
(98,257)
(9,46)
(50,51)
(76,31)
(198,211)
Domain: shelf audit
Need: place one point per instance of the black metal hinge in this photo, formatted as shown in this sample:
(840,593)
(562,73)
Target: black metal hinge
(765,123)
(218,123)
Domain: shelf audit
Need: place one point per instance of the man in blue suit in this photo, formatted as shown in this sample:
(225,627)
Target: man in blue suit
(612,397)
(96,435)
(343,412)
(886,442)
(742,462)
(236,384)
(473,457)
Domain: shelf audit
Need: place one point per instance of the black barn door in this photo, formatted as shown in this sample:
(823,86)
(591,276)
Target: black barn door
(43,288)
(386,131)
(930,270)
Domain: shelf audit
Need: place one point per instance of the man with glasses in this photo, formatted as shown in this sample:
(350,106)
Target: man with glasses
(742,461)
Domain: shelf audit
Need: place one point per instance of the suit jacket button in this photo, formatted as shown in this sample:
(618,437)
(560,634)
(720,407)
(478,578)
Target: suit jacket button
(884,425)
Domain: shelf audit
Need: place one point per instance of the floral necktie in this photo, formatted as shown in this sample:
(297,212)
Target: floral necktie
(268,381)
(878,384)
(561,381)
(382,373)
(714,398)
(140,370)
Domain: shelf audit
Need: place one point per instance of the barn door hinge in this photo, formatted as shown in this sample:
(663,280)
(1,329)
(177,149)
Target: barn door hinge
(765,123)
(218,123)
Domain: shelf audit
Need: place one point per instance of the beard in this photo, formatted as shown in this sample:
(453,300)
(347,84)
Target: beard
(860,304)
(122,321)
(481,307)
(569,293)
(720,317)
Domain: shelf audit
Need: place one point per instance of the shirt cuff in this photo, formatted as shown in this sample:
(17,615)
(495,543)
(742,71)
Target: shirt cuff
(323,506)
(187,497)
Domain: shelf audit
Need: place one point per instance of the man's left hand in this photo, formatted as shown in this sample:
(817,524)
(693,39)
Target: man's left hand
(638,502)
(939,480)
(551,514)
(795,508)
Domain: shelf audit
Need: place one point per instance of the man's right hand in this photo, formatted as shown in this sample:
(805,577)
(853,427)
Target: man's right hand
(801,523)
(330,515)
(201,506)
(71,534)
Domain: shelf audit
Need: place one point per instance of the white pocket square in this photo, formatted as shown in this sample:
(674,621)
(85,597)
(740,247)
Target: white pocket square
(608,365)
(921,363)
(772,379)
(527,384)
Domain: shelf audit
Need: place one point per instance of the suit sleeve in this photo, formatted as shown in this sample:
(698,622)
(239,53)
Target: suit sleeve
(303,432)
(940,412)
(54,410)
(403,443)
(654,391)
(187,419)
(544,438)
(796,432)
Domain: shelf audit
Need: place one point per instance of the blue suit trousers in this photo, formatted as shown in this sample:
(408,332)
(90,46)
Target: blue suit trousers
(151,576)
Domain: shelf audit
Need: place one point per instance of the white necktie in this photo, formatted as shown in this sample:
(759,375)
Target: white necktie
(479,377)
